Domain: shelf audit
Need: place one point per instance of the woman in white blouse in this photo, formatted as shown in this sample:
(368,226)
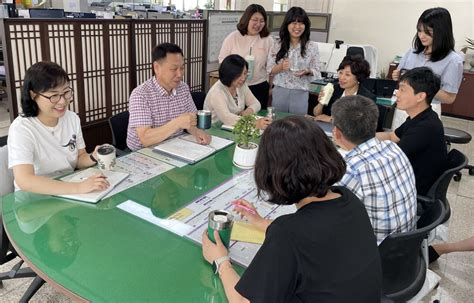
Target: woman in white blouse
(294,62)
(230,97)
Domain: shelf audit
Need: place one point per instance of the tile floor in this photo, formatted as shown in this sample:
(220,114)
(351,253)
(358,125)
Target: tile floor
(456,270)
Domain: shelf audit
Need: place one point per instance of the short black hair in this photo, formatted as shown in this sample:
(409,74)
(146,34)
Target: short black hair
(358,65)
(439,19)
(356,117)
(161,50)
(243,24)
(295,160)
(39,78)
(299,15)
(422,80)
(231,68)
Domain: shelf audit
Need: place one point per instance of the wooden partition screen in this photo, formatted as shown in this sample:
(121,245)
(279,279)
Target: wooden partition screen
(105,59)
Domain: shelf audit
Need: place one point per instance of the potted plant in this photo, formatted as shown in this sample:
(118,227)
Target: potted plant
(245,131)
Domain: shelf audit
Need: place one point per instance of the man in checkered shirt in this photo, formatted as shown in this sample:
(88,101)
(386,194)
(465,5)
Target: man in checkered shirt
(378,172)
(162,106)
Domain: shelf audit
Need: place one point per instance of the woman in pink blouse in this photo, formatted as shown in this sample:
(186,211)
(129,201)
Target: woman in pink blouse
(252,41)
(294,62)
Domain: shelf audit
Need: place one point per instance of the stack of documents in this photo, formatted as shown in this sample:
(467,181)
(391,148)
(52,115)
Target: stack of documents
(186,148)
(114,178)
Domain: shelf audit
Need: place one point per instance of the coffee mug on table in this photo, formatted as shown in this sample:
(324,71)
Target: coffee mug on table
(204,119)
(221,221)
(106,157)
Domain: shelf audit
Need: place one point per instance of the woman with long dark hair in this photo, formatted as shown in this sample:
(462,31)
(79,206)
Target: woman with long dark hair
(433,47)
(294,63)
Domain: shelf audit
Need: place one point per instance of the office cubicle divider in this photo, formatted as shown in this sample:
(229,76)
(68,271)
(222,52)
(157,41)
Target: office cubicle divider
(105,59)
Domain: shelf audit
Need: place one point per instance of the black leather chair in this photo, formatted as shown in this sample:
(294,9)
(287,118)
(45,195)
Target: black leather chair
(118,125)
(458,136)
(7,252)
(198,98)
(456,161)
(404,262)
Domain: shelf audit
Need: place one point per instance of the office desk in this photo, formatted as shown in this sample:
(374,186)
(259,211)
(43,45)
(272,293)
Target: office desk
(103,254)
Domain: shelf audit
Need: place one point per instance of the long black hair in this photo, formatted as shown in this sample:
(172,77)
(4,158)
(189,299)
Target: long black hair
(439,20)
(40,77)
(299,15)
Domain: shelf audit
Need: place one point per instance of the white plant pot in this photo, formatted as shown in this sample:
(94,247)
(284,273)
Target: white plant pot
(245,158)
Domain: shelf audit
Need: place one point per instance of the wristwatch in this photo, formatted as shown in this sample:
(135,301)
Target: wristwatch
(217,263)
(91,155)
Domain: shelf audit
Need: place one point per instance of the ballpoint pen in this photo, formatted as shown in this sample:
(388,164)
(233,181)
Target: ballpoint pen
(244,207)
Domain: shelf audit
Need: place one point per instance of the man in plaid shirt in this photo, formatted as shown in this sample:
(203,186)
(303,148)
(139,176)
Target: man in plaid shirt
(378,172)
(162,106)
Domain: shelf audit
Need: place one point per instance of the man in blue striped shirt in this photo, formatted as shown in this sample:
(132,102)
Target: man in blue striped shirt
(378,172)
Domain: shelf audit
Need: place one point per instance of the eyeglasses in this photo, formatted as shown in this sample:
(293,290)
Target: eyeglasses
(67,95)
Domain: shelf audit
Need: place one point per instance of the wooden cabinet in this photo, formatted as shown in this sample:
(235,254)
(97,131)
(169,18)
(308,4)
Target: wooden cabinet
(463,106)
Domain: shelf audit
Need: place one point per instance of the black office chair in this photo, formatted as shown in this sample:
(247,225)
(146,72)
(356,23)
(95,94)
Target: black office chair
(7,252)
(458,136)
(456,161)
(403,259)
(355,50)
(198,98)
(118,126)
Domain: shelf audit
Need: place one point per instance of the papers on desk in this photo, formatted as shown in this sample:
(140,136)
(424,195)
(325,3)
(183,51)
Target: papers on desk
(194,217)
(113,177)
(186,148)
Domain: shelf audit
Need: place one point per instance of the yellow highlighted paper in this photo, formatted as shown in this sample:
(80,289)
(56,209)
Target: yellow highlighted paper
(246,232)
(181,214)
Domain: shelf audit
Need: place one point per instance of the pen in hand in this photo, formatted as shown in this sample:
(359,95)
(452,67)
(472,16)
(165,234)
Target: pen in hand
(244,207)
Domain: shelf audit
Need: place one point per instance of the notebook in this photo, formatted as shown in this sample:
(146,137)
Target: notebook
(186,148)
(114,178)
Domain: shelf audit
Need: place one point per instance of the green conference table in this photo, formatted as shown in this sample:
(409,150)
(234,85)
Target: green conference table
(99,253)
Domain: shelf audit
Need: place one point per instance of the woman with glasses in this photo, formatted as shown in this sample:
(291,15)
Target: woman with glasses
(230,98)
(46,141)
(252,41)
(294,63)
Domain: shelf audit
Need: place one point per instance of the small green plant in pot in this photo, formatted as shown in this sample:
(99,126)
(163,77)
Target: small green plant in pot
(245,131)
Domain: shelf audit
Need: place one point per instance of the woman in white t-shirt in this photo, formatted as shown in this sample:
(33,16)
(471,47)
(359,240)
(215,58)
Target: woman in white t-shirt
(46,140)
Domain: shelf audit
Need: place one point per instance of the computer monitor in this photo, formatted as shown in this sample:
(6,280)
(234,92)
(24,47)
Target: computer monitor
(46,13)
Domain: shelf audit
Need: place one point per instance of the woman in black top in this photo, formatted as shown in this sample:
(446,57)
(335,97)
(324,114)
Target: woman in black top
(326,251)
(352,71)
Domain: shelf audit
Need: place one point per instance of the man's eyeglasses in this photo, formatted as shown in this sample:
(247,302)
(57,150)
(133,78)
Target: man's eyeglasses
(67,95)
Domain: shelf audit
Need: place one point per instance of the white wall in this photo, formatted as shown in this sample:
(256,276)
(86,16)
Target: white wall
(390,25)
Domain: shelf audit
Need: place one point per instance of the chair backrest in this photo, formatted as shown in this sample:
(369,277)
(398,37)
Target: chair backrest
(6,187)
(356,50)
(403,266)
(456,161)
(198,98)
(119,125)
(6,180)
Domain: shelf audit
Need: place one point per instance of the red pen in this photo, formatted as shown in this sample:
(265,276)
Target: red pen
(244,207)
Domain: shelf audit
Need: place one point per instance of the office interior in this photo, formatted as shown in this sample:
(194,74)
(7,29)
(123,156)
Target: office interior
(387,26)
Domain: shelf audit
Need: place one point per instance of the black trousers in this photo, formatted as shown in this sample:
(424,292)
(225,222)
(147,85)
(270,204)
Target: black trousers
(260,91)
